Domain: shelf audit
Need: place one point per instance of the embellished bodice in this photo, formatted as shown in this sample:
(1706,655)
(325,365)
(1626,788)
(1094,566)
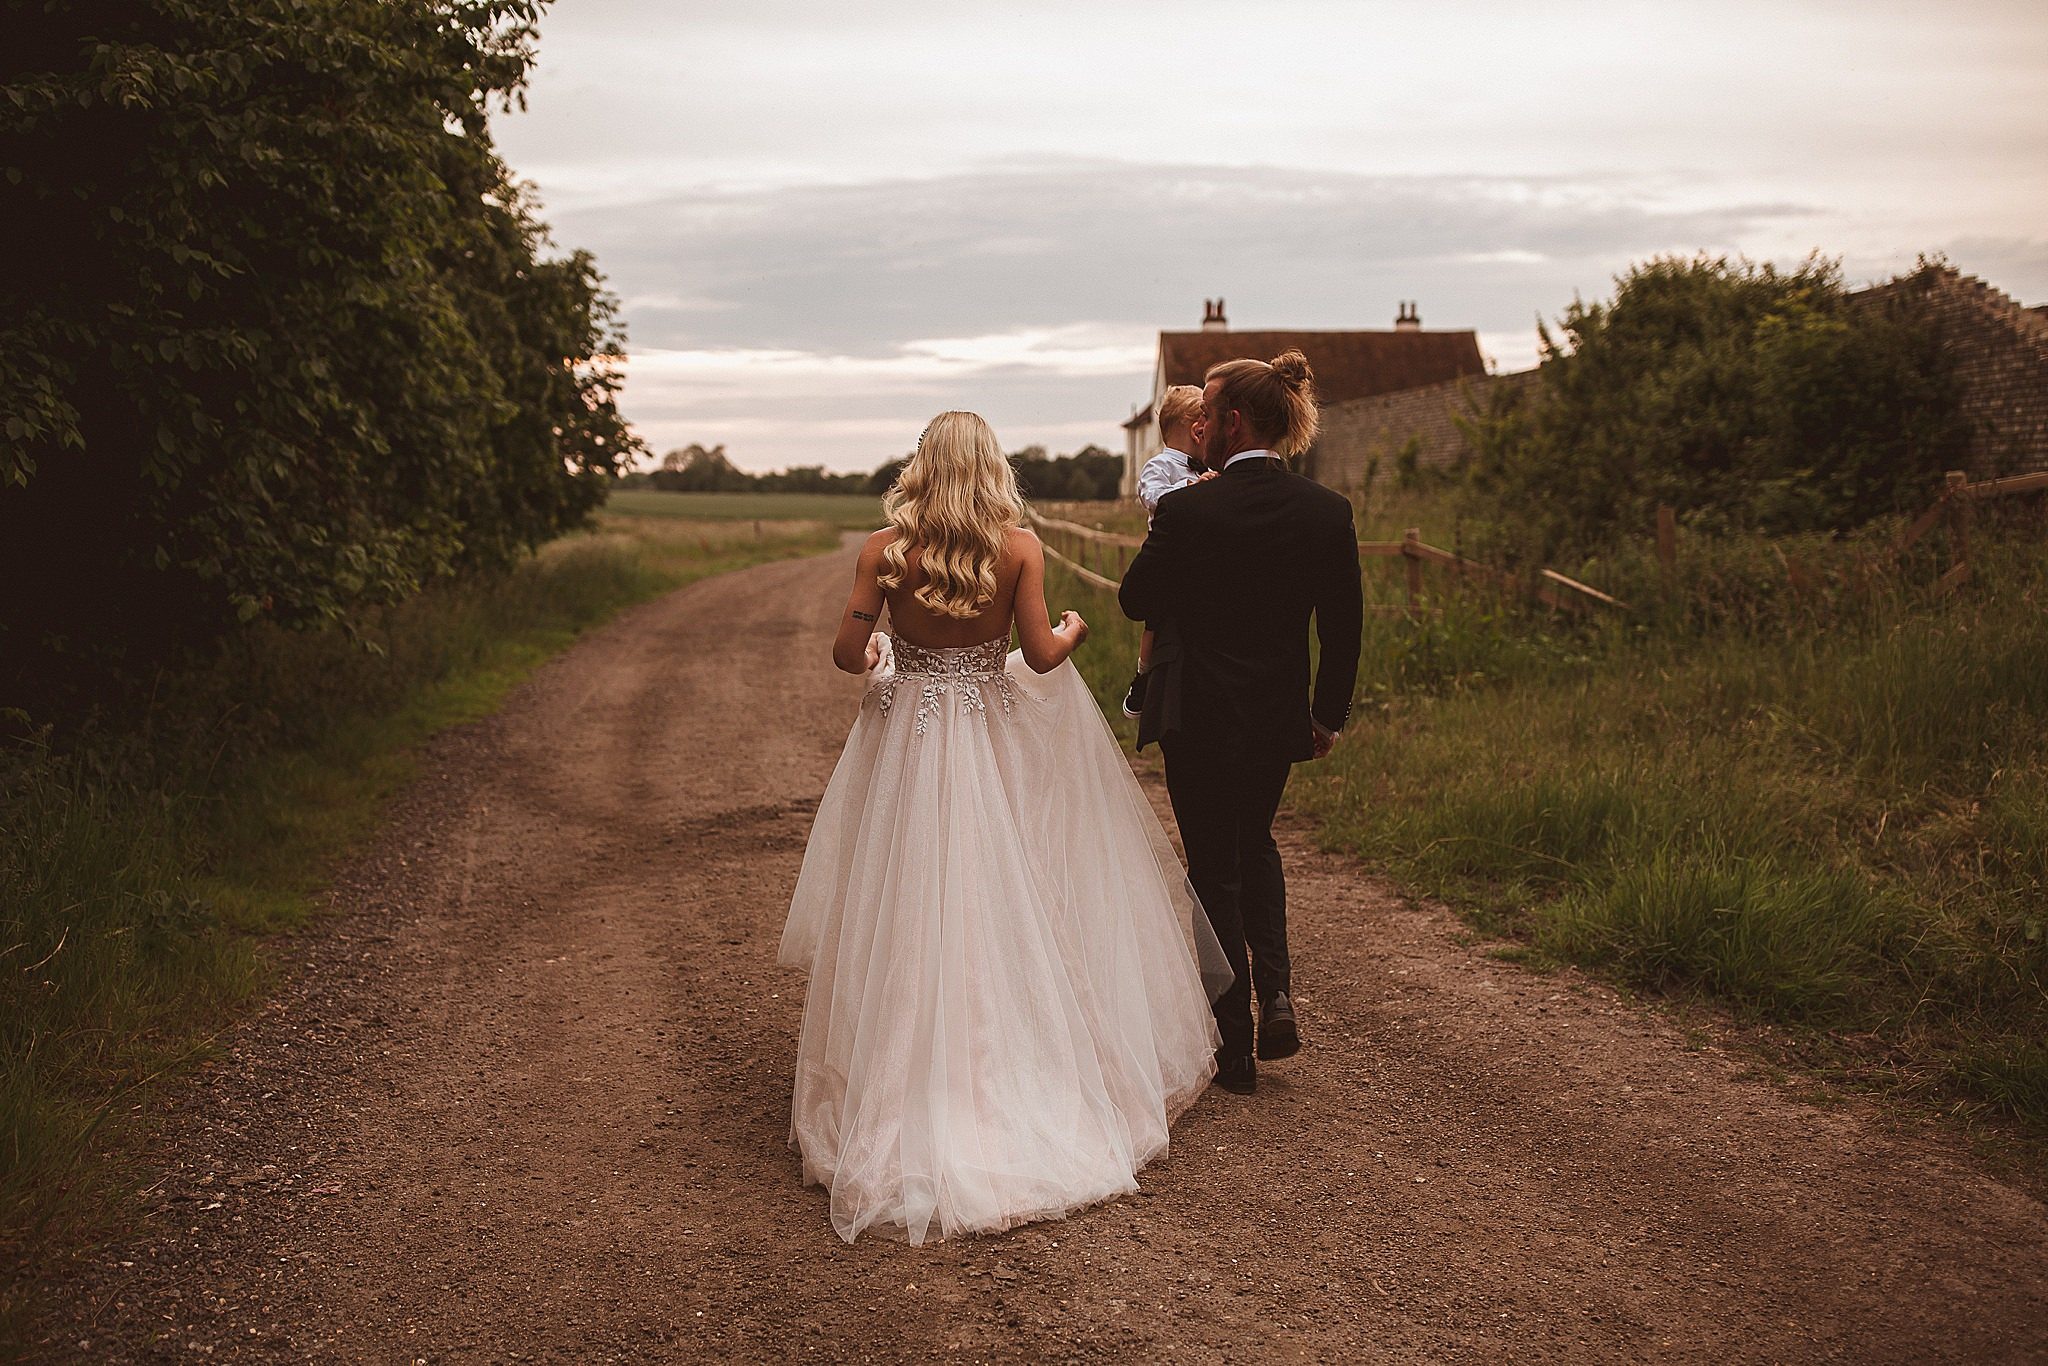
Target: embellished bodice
(943,672)
(951,661)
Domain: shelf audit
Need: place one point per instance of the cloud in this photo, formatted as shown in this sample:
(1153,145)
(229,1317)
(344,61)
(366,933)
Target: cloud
(774,408)
(798,322)
(866,268)
(827,221)
(2016,265)
(827,323)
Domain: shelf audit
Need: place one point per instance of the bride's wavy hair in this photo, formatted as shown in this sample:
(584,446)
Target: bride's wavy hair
(954,501)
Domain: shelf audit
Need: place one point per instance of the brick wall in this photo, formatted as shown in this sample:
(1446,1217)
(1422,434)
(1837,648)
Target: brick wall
(2001,356)
(2000,350)
(1356,431)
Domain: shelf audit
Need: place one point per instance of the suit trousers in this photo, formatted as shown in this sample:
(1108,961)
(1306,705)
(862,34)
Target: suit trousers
(1224,801)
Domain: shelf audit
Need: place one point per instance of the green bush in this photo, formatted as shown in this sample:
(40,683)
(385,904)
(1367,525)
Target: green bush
(1747,398)
(279,343)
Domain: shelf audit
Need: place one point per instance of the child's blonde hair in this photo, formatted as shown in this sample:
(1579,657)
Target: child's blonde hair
(1181,403)
(955,501)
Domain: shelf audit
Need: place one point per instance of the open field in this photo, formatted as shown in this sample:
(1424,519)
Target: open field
(140,870)
(849,511)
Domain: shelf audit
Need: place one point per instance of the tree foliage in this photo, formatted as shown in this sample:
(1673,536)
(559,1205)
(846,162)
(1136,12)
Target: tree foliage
(1745,397)
(1089,474)
(700,469)
(707,469)
(279,338)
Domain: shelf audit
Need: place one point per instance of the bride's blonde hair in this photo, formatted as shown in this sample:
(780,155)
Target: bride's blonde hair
(954,501)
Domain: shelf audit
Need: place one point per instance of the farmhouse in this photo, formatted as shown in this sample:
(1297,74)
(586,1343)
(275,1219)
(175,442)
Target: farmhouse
(1348,365)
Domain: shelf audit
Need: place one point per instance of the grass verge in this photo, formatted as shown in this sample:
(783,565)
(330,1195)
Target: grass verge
(1831,819)
(140,866)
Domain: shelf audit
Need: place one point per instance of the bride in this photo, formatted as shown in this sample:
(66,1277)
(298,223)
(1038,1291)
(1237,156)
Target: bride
(1009,974)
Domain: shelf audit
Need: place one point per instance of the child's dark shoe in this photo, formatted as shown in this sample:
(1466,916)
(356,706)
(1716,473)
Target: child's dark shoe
(1134,697)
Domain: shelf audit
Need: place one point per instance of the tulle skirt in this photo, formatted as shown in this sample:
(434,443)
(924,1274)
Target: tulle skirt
(1009,974)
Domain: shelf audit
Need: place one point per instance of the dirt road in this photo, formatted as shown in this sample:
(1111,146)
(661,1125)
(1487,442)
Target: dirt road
(524,1097)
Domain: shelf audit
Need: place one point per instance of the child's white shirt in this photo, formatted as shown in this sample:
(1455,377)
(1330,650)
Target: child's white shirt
(1163,473)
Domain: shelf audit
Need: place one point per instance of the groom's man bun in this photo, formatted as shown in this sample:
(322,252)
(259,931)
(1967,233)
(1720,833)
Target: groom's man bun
(1277,398)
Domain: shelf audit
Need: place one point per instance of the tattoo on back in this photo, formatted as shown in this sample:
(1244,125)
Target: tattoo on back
(866,616)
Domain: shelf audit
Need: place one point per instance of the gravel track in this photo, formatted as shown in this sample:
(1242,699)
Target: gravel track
(523,1095)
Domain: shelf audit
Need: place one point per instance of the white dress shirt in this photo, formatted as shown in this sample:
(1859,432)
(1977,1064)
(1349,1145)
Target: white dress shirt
(1251,455)
(1163,473)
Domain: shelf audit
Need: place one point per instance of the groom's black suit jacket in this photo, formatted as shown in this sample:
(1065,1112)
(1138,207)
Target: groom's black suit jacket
(1231,572)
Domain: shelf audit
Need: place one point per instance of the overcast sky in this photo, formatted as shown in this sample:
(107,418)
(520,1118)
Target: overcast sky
(828,221)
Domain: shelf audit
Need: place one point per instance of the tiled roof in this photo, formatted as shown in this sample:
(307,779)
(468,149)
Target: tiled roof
(1346,364)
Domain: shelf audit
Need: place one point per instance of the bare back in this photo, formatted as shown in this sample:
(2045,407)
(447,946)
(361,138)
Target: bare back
(1019,604)
(918,625)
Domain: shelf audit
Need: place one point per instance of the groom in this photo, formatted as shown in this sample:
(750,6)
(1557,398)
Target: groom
(1240,563)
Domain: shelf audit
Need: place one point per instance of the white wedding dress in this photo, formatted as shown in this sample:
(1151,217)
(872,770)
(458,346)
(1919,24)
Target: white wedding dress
(1009,974)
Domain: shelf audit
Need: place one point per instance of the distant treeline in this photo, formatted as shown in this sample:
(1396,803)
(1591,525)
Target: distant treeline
(1090,473)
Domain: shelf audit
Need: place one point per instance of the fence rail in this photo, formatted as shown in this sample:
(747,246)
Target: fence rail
(1093,554)
(1994,488)
(1101,557)
(1951,509)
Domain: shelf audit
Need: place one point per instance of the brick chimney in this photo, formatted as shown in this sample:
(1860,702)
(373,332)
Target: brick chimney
(1407,318)
(1212,316)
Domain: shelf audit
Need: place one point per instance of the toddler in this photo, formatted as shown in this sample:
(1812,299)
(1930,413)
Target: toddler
(1176,466)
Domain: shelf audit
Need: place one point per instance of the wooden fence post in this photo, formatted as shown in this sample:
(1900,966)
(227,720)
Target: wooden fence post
(1411,542)
(1667,546)
(1957,491)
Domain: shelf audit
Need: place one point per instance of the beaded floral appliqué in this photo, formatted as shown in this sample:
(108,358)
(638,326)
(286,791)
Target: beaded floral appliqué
(966,671)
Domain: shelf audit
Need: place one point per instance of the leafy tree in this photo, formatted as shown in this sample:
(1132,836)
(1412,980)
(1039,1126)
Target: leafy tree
(884,477)
(1088,474)
(1745,397)
(280,339)
(812,479)
(701,469)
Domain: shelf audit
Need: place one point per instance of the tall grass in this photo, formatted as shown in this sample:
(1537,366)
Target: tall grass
(1826,805)
(141,861)
(1842,828)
